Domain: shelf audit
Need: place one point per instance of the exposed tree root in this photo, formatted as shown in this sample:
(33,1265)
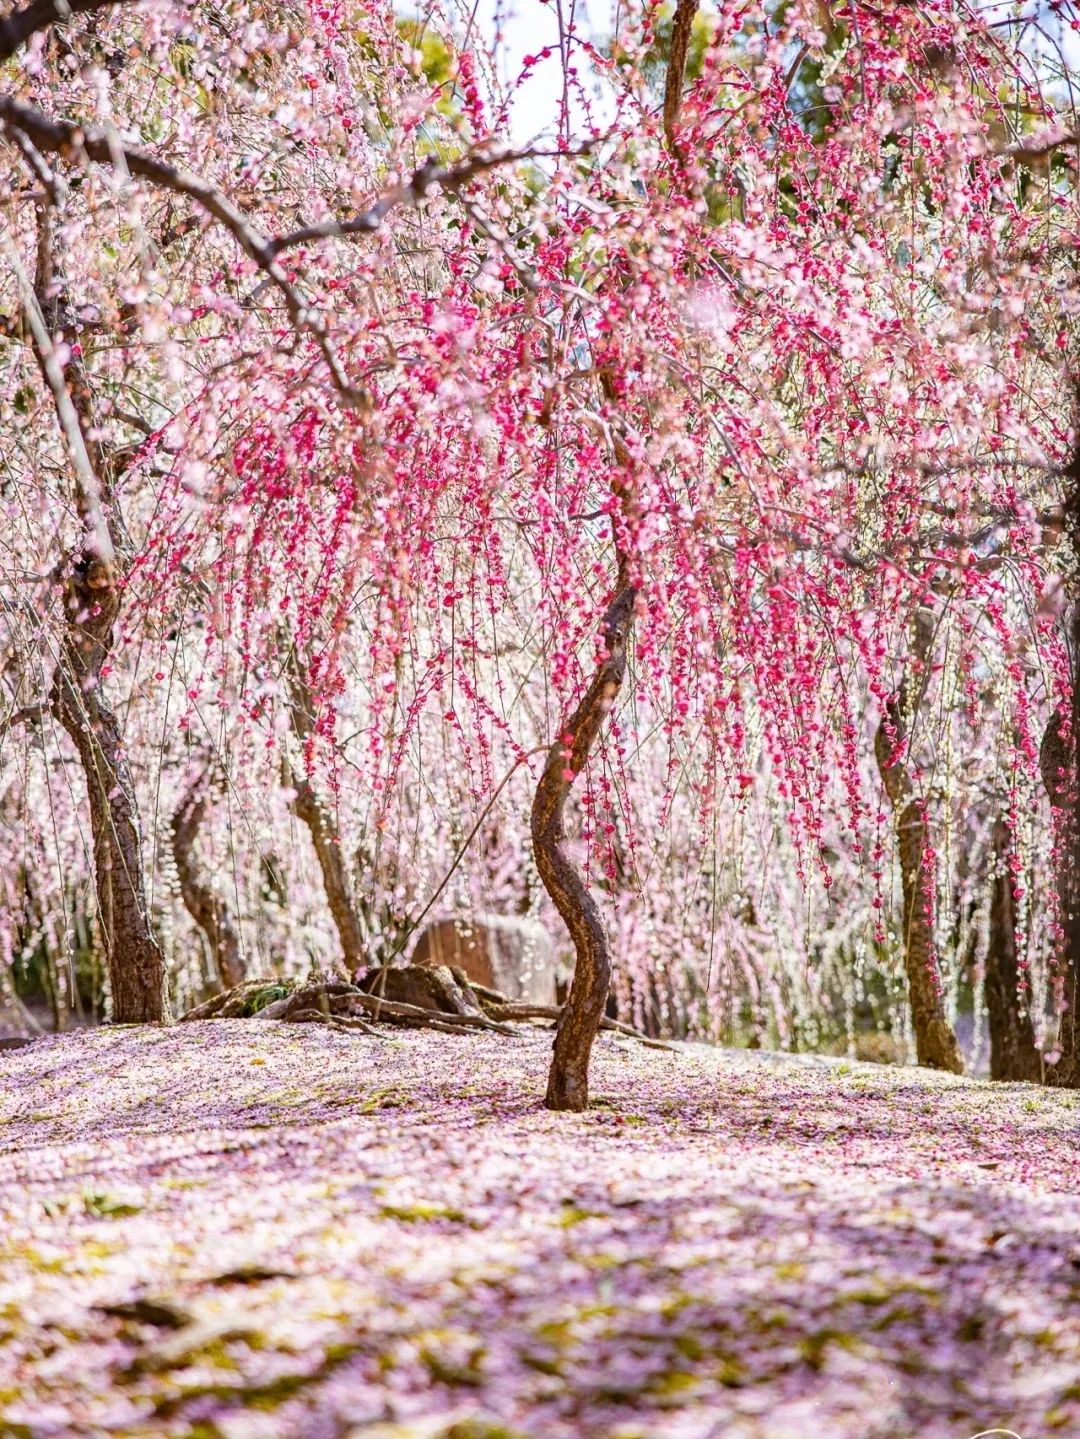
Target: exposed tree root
(333,1021)
(451,1004)
(243,1000)
(511,1010)
(342,1000)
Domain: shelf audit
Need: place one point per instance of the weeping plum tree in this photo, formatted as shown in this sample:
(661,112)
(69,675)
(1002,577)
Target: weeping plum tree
(662,423)
(90,579)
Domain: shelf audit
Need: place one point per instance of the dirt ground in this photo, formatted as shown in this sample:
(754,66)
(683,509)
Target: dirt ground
(243,1229)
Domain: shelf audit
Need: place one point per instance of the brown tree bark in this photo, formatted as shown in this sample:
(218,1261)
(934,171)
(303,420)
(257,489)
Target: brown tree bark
(583,1012)
(309,810)
(91,604)
(1059,759)
(206,908)
(682,26)
(1014,1055)
(1058,763)
(935,1042)
(568,1078)
(135,961)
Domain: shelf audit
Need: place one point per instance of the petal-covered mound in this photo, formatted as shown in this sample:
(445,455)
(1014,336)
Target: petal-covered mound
(241,1229)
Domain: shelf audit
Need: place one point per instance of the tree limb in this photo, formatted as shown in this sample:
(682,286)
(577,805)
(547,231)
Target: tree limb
(22,25)
(61,137)
(411,192)
(681,27)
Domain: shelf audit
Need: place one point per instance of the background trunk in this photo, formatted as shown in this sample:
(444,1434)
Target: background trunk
(310,811)
(935,1041)
(1014,1055)
(206,908)
(1059,758)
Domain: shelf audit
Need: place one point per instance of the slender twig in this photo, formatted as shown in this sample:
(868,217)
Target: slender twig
(511,1011)
(98,538)
(429,176)
(414,925)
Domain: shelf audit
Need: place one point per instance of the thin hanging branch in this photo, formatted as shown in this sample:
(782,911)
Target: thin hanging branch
(75,142)
(104,147)
(91,605)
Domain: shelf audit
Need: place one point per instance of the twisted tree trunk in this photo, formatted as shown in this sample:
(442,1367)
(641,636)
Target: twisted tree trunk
(1014,1055)
(206,908)
(568,1078)
(309,810)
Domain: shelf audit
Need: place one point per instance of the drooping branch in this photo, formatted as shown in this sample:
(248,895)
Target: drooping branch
(430,176)
(1036,147)
(91,605)
(74,142)
(78,143)
(68,388)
